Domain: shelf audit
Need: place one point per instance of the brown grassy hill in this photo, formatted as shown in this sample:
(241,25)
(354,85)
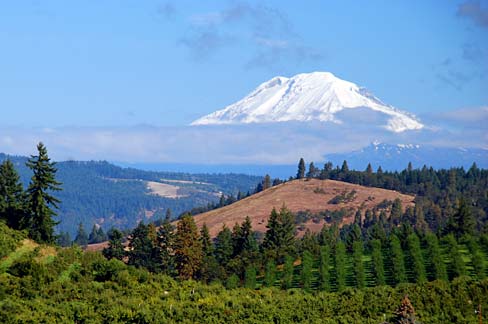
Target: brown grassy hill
(299,195)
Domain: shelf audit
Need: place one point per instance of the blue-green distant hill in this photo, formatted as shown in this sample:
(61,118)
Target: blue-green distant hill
(98,192)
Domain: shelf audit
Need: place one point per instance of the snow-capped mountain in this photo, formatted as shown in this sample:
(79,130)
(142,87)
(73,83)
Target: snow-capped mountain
(397,156)
(316,96)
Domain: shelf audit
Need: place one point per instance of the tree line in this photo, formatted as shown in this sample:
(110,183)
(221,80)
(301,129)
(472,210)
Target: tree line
(31,210)
(351,256)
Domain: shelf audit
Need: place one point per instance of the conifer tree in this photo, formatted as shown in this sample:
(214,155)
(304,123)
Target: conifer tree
(223,246)
(209,268)
(358,264)
(307,263)
(269,273)
(438,267)
(115,249)
(280,237)
(141,247)
(81,237)
(396,212)
(40,201)
(397,259)
(188,248)
(301,169)
(266,182)
(377,258)
(462,221)
(457,266)
(340,266)
(287,277)
(165,246)
(416,259)
(12,196)
(250,277)
(324,272)
(312,170)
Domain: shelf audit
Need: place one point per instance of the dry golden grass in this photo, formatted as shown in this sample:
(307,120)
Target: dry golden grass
(297,195)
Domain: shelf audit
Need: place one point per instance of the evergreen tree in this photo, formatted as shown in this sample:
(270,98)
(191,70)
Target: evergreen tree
(81,237)
(397,260)
(340,266)
(209,268)
(188,248)
(345,167)
(280,236)
(266,182)
(141,247)
(307,263)
(462,221)
(250,277)
(476,258)
(358,264)
(378,267)
(12,196)
(165,246)
(324,272)
(416,259)
(96,235)
(312,171)
(40,201)
(232,282)
(437,265)
(223,247)
(309,242)
(457,266)
(301,169)
(396,212)
(115,249)
(269,273)
(287,277)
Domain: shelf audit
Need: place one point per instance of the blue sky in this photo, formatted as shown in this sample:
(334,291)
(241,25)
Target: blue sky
(130,62)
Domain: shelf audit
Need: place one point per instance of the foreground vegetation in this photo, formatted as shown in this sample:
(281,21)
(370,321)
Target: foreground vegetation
(72,286)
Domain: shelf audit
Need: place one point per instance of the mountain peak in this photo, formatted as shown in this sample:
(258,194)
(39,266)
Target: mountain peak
(315,96)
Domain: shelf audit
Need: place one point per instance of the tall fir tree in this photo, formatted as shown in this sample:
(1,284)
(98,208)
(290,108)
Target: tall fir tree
(81,236)
(287,275)
(301,169)
(340,266)
(165,244)
(188,248)
(324,271)
(378,267)
(40,201)
(307,263)
(12,196)
(280,237)
(115,249)
(357,251)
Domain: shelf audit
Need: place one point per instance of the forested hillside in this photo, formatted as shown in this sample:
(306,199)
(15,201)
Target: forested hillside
(104,194)
(389,264)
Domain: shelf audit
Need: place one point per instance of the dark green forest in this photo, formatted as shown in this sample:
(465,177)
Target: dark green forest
(91,196)
(427,263)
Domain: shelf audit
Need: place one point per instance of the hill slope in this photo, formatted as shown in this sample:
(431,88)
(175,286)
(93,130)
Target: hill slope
(299,195)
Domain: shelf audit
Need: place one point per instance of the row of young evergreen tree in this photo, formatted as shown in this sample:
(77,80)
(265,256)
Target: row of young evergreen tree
(400,253)
(31,210)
